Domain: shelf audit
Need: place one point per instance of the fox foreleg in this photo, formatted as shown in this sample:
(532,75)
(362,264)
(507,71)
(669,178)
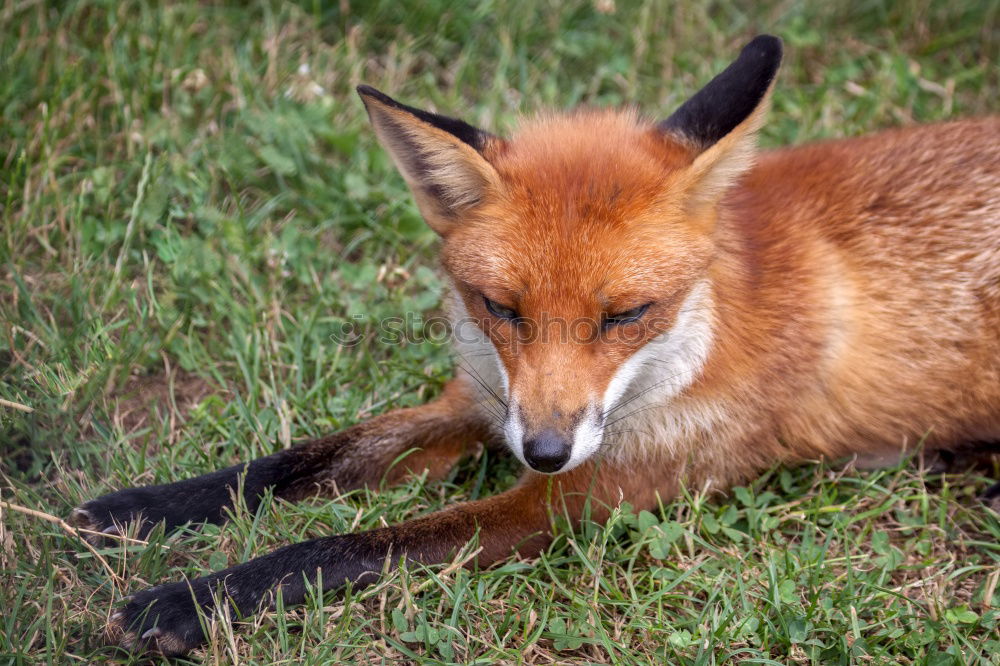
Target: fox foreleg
(432,437)
(167,617)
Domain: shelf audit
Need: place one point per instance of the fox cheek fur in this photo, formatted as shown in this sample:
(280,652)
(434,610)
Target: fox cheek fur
(735,310)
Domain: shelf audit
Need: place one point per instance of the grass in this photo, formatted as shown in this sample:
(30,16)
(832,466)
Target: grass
(193,204)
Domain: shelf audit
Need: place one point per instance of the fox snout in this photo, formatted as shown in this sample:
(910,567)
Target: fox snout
(553,441)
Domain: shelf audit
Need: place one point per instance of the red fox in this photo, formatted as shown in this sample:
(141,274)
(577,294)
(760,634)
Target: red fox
(640,305)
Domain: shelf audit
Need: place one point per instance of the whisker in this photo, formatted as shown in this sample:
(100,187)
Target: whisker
(486,392)
(623,431)
(635,411)
(641,393)
(482,382)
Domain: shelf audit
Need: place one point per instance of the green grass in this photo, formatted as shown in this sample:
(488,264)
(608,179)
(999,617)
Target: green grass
(192,205)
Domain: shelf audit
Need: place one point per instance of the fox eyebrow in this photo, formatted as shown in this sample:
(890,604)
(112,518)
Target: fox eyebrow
(623,301)
(505,295)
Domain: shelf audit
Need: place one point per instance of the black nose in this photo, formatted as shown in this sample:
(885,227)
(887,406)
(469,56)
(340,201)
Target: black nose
(547,452)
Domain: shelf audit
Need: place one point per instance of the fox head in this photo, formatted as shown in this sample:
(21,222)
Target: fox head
(579,249)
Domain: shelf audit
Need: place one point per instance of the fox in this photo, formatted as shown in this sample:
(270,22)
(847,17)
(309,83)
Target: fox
(639,307)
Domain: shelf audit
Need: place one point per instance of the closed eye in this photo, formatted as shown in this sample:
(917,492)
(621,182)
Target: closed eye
(501,311)
(626,317)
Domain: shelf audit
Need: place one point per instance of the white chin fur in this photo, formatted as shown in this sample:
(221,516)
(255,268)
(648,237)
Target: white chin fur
(513,431)
(587,437)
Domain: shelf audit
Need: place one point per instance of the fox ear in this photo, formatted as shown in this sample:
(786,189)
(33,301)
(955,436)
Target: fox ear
(721,120)
(441,158)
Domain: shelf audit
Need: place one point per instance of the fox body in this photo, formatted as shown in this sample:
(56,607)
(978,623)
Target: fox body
(841,298)
(637,306)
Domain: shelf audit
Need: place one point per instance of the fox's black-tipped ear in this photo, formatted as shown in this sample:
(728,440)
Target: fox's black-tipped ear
(721,121)
(442,159)
(462,130)
(731,97)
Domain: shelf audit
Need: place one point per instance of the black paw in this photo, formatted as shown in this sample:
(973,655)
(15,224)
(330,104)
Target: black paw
(162,619)
(113,513)
(168,618)
(198,500)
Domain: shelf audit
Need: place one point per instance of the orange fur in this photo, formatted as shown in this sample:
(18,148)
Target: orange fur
(855,284)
